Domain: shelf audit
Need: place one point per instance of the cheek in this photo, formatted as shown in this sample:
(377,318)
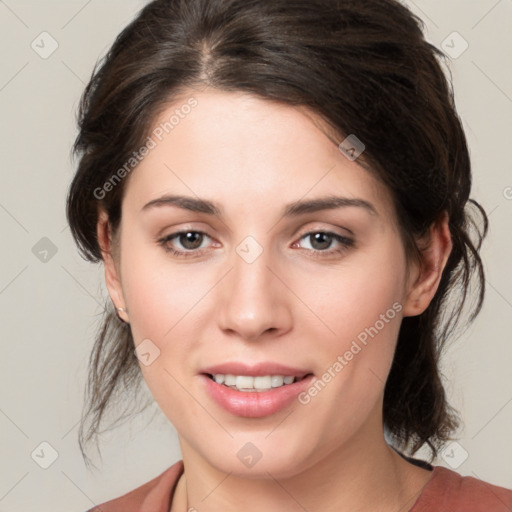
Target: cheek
(355,295)
(355,361)
(161,299)
(158,291)
(360,307)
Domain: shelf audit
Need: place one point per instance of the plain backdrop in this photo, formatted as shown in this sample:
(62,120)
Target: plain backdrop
(51,299)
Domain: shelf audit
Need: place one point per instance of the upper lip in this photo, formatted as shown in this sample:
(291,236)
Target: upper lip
(255,370)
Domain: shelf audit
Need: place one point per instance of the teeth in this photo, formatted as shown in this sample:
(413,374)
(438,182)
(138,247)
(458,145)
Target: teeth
(229,380)
(248,383)
(276,381)
(243,382)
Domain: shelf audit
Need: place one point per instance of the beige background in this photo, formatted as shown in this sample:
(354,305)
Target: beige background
(50,308)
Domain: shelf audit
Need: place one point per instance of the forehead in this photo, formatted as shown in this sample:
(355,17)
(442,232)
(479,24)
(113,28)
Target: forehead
(236,147)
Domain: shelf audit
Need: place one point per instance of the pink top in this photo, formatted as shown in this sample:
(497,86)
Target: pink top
(446,491)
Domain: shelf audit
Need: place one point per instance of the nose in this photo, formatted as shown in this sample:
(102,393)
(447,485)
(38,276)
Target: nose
(254,302)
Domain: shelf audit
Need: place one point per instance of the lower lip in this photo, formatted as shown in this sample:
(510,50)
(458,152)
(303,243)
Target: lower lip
(257,403)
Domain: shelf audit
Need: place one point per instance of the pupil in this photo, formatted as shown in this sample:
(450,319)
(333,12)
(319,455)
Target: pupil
(189,237)
(318,237)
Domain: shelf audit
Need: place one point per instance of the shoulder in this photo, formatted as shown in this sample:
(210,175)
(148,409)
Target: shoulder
(448,491)
(153,496)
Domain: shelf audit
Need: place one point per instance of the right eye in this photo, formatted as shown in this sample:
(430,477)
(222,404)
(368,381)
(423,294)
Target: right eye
(190,240)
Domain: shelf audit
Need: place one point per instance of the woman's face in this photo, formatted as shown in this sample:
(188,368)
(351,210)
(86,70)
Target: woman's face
(261,281)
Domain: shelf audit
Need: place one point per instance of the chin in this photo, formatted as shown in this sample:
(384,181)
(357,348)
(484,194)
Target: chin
(256,459)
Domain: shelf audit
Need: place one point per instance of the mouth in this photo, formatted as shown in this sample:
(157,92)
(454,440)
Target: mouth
(255,384)
(255,396)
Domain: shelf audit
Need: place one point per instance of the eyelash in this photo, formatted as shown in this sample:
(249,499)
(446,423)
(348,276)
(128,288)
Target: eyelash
(345,242)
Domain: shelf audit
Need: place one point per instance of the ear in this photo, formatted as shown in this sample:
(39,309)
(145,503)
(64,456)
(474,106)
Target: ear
(435,248)
(112,275)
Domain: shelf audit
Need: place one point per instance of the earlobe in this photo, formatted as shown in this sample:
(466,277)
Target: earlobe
(112,277)
(435,249)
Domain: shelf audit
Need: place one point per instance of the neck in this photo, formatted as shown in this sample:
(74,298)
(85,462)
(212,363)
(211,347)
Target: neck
(364,474)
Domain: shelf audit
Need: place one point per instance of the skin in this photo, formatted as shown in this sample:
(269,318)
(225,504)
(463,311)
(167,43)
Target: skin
(252,157)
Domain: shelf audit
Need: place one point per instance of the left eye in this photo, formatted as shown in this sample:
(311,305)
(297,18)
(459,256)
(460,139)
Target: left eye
(322,240)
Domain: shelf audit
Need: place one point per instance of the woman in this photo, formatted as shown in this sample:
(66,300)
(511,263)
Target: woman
(279,192)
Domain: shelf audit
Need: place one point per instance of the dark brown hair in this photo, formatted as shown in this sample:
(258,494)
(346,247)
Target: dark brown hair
(365,68)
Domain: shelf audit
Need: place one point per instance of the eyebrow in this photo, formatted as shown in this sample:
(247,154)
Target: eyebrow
(291,210)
